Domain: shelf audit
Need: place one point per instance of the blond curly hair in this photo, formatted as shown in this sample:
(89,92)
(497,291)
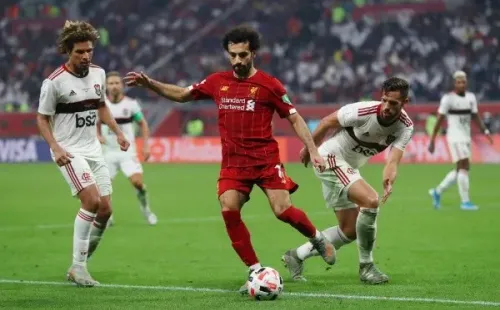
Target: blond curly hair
(75,32)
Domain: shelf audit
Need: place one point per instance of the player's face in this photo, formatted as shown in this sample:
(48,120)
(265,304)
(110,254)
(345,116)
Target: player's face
(241,58)
(460,85)
(114,86)
(392,104)
(81,55)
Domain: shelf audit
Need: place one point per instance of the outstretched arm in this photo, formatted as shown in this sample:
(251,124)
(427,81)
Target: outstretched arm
(169,91)
(330,122)
(302,131)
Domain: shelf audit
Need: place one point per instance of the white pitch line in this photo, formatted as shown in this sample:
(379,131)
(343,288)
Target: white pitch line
(301,294)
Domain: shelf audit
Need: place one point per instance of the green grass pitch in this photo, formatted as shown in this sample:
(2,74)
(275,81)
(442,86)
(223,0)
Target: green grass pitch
(436,259)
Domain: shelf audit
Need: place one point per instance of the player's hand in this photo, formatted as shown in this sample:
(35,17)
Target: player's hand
(387,190)
(431,147)
(123,142)
(101,139)
(146,152)
(62,157)
(137,79)
(318,161)
(305,157)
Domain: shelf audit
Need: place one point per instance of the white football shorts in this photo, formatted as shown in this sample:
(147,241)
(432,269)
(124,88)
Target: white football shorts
(459,150)
(82,172)
(126,162)
(336,181)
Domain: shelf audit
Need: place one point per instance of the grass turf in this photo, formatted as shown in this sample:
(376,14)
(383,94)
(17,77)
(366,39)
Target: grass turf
(446,254)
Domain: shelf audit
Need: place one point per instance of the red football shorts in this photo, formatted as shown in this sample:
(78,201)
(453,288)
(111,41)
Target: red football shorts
(243,179)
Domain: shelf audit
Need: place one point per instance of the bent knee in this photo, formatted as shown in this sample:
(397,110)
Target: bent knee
(92,202)
(279,208)
(371,202)
(231,201)
(138,185)
(349,230)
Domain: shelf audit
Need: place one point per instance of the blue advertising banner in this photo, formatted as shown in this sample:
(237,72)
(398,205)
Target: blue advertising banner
(18,150)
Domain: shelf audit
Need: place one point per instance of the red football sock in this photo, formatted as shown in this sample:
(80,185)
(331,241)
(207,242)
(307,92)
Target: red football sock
(240,237)
(299,220)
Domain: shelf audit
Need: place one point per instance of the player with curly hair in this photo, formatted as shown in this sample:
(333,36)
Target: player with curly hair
(71,99)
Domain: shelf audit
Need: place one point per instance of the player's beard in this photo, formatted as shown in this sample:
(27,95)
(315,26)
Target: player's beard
(388,117)
(82,68)
(242,70)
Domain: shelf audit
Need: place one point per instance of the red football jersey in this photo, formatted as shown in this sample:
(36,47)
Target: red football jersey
(246,108)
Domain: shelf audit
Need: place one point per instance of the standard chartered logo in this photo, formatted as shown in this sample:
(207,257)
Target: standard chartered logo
(237,104)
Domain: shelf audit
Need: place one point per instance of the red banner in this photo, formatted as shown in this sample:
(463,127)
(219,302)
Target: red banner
(208,150)
(192,150)
(14,125)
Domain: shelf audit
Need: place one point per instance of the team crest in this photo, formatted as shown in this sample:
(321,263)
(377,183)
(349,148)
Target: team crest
(286,99)
(390,139)
(86,177)
(97,88)
(253,91)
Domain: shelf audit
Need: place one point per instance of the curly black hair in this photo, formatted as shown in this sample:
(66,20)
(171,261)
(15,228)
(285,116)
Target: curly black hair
(75,32)
(396,84)
(242,34)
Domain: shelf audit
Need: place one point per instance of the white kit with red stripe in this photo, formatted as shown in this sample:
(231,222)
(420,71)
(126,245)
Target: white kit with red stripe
(72,102)
(363,136)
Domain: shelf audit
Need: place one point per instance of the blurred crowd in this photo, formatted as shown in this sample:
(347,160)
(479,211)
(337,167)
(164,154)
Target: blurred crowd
(321,50)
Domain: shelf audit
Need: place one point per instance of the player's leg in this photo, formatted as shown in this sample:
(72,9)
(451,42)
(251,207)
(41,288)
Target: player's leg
(233,192)
(339,235)
(103,182)
(363,195)
(231,202)
(132,169)
(449,180)
(282,207)
(113,167)
(463,166)
(335,183)
(136,180)
(277,186)
(79,176)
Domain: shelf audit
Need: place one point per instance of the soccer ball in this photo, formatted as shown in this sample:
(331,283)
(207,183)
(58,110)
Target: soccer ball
(265,284)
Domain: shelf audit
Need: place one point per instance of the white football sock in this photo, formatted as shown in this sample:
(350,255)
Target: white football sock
(96,231)
(81,235)
(255,267)
(448,181)
(332,234)
(142,195)
(463,185)
(366,229)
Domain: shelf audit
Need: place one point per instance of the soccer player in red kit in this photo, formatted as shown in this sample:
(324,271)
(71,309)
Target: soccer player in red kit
(246,99)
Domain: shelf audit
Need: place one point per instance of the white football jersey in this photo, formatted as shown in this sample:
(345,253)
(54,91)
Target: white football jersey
(125,112)
(72,102)
(458,110)
(362,136)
